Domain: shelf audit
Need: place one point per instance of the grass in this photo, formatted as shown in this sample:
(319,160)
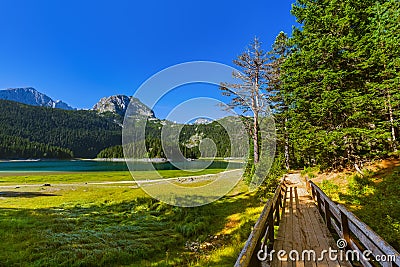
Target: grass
(330,188)
(50,177)
(374,198)
(310,172)
(114,225)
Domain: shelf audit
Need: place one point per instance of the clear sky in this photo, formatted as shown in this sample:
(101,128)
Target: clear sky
(80,51)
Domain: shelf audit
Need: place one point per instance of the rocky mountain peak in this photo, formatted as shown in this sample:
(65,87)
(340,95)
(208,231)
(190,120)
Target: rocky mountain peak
(202,121)
(30,96)
(119,104)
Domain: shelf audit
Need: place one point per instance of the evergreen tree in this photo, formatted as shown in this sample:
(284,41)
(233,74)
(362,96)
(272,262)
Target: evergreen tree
(333,121)
(279,53)
(381,49)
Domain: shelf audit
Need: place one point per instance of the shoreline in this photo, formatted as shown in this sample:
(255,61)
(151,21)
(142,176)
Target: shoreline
(152,160)
(84,159)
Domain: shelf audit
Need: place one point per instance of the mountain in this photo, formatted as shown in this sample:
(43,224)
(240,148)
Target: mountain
(119,104)
(30,96)
(202,121)
(62,105)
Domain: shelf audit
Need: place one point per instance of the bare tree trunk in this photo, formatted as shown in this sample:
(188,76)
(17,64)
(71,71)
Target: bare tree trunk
(358,169)
(287,159)
(255,138)
(391,119)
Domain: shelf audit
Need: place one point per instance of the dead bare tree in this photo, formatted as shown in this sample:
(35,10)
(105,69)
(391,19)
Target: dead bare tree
(251,93)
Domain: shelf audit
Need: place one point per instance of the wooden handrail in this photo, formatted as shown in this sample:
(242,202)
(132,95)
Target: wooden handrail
(263,231)
(359,236)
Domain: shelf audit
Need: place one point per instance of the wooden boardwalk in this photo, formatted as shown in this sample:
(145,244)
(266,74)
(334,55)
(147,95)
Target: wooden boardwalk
(301,213)
(302,228)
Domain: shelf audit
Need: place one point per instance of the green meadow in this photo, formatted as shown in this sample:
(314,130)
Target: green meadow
(81,221)
(85,177)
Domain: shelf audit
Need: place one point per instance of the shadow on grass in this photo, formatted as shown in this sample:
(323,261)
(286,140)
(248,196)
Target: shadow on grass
(375,200)
(24,194)
(142,232)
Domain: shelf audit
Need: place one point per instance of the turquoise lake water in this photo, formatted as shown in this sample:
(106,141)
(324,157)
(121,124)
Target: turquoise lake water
(92,166)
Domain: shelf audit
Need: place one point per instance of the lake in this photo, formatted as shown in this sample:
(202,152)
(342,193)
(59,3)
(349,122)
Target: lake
(99,166)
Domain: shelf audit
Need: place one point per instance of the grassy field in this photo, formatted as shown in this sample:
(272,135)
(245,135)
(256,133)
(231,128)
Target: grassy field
(75,223)
(71,177)
(373,197)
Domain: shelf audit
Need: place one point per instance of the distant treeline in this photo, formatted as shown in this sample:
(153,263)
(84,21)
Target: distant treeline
(14,147)
(30,131)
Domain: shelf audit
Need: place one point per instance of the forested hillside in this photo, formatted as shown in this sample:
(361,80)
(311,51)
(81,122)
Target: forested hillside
(14,147)
(39,132)
(189,140)
(30,132)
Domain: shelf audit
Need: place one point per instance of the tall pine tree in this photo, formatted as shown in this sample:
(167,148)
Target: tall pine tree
(333,111)
(381,49)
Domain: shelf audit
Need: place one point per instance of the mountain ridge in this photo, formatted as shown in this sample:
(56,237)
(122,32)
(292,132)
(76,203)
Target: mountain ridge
(31,96)
(117,104)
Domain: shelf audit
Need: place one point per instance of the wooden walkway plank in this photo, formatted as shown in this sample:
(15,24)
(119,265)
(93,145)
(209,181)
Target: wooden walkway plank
(317,238)
(288,242)
(302,228)
(305,229)
(327,236)
(298,235)
(278,243)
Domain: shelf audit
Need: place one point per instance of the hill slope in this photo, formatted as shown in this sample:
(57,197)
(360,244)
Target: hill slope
(84,132)
(14,147)
(40,132)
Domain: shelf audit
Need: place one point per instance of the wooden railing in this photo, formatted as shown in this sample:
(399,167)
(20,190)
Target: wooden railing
(358,236)
(263,231)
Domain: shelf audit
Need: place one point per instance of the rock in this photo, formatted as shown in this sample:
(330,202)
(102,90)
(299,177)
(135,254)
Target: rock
(62,105)
(30,96)
(119,104)
(202,121)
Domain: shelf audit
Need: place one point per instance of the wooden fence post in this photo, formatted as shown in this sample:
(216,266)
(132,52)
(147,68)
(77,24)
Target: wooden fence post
(327,214)
(319,203)
(312,192)
(277,209)
(345,227)
(271,230)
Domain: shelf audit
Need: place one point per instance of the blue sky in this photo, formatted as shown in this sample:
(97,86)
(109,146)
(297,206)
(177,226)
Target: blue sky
(80,51)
